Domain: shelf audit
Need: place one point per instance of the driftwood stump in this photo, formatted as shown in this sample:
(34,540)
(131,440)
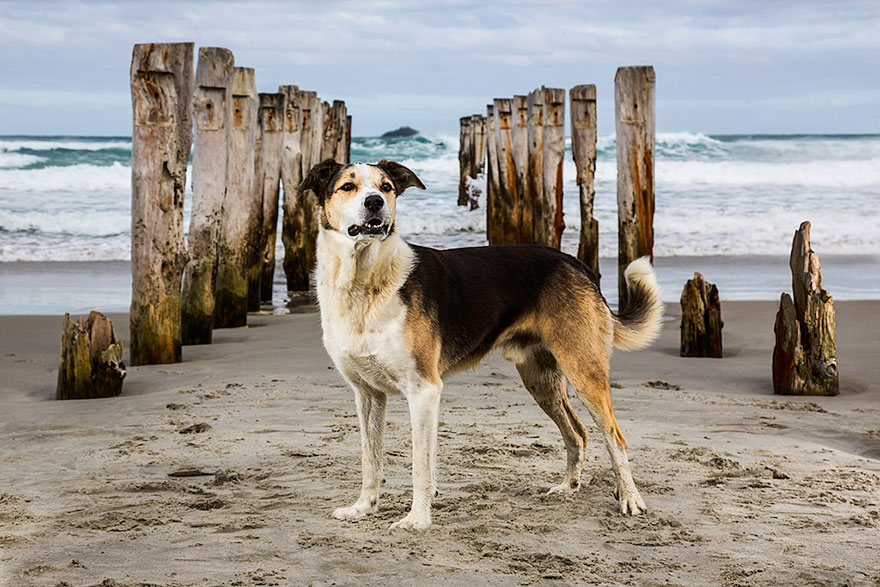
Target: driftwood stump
(634,110)
(700,319)
(161,100)
(583,151)
(805,356)
(212,94)
(91,359)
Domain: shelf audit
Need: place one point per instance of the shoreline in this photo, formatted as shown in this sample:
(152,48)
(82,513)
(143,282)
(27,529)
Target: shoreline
(56,287)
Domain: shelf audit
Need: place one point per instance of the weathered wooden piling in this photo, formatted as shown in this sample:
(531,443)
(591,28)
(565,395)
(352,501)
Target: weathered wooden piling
(479,126)
(343,132)
(466,156)
(805,355)
(520,141)
(583,151)
(272,127)
(494,207)
(634,126)
(254,239)
(551,221)
(291,174)
(700,319)
(299,227)
(535,137)
(212,94)
(240,206)
(161,98)
(91,359)
(506,172)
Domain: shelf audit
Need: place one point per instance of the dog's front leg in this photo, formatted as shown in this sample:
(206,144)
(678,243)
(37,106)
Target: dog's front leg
(371,418)
(424,408)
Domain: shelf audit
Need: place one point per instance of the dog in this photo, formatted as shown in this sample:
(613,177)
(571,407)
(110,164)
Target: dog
(397,318)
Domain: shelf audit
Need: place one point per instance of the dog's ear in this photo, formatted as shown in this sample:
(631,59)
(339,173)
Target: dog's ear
(319,179)
(403,177)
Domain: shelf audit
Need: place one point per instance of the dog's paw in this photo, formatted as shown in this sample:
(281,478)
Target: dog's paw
(412,522)
(567,487)
(359,509)
(631,503)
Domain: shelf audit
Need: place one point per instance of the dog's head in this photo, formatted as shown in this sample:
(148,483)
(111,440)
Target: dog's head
(359,199)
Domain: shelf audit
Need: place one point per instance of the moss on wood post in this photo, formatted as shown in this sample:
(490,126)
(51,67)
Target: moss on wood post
(583,151)
(161,98)
(272,126)
(240,206)
(634,126)
(212,94)
(805,355)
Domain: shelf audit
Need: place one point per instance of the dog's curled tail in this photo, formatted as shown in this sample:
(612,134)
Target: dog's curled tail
(638,324)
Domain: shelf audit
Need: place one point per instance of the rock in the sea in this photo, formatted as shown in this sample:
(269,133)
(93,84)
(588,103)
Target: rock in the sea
(403,131)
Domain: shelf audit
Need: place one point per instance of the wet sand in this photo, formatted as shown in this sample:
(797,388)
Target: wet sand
(223,470)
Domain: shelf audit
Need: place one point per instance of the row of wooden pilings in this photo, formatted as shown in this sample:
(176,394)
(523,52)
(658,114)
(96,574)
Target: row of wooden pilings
(246,145)
(523,145)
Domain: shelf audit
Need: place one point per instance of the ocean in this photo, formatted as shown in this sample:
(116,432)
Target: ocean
(726,206)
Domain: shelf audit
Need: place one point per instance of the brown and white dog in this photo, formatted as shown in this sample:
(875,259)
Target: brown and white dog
(397,318)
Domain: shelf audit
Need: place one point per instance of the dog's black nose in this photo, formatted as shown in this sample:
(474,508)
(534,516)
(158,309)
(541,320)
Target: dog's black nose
(374,203)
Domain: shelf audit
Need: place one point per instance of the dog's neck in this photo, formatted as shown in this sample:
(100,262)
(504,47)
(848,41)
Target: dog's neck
(360,273)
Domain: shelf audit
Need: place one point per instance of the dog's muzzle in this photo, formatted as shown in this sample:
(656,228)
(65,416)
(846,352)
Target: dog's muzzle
(375,226)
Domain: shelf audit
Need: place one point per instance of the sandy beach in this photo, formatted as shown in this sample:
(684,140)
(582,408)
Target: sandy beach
(223,470)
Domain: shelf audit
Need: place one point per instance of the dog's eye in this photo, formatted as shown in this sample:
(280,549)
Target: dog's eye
(347,187)
(386,187)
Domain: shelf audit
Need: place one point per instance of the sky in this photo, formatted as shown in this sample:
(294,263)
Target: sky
(722,67)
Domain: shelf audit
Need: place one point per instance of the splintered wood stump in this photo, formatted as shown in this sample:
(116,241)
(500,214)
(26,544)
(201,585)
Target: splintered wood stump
(551,222)
(583,151)
(161,100)
(506,171)
(272,126)
(805,355)
(535,184)
(91,359)
(634,125)
(520,136)
(700,319)
(240,208)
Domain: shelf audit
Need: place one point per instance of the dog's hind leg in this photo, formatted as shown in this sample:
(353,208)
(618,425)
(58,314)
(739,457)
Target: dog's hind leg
(547,383)
(591,383)
(371,418)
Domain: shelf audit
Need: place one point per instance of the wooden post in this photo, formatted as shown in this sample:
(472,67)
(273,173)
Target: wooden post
(554,154)
(291,174)
(520,143)
(161,99)
(343,132)
(91,359)
(272,125)
(300,224)
(212,95)
(700,319)
(320,112)
(240,206)
(634,126)
(805,355)
(583,151)
(254,238)
(506,171)
(478,132)
(494,206)
(466,157)
(535,184)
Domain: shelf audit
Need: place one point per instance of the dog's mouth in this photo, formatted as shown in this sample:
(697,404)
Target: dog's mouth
(372,227)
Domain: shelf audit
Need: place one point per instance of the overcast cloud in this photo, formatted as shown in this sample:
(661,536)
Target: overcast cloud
(722,67)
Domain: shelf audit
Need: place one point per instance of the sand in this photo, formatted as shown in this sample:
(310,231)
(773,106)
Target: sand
(223,470)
